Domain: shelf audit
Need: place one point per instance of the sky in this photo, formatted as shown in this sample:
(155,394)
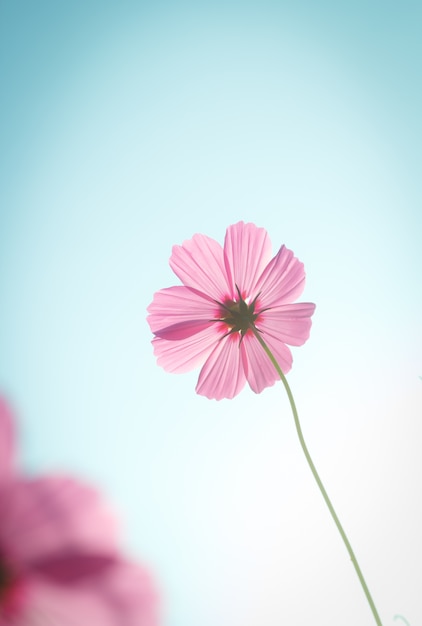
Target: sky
(125,128)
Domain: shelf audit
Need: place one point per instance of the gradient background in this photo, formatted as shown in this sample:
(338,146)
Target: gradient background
(125,128)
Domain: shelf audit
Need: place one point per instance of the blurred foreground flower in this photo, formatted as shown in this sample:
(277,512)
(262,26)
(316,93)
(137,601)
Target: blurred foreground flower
(230,296)
(59,560)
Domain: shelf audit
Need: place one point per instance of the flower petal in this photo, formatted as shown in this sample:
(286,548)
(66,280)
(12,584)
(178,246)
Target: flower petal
(46,516)
(223,374)
(121,595)
(282,281)
(247,250)
(199,263)
(261,373)
(184,355)
(72,566)
(182,330)
(289,323)
(61,605)
(7,440)
(131,595)
(179,307)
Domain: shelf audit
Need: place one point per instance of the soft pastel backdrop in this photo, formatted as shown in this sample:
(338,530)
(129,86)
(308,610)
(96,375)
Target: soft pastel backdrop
(125,128)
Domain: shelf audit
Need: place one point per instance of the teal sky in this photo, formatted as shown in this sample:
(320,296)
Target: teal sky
(125,128)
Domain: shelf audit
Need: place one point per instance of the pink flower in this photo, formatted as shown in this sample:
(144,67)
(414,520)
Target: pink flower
(59,559)
(230,294)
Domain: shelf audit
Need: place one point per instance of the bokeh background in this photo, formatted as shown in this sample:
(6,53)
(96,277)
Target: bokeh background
(128,126)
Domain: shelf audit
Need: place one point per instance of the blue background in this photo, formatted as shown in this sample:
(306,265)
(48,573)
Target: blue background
(126,127)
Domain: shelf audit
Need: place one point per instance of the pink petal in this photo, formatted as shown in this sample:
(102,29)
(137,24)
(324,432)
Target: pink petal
(7,440)
(289,323)
(182,330)
(72,566)
(261,372)
(247,250)
(184,355)
(47,516)
(282,281)
(223,374)
(63,606)
(122,595)
(199,263)
(131,594)
(180,307)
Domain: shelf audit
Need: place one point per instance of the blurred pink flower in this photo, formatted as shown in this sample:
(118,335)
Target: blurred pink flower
(228,295)
(59,560)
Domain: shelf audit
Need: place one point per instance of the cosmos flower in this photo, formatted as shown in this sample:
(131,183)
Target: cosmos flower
(229,295)
(59,560)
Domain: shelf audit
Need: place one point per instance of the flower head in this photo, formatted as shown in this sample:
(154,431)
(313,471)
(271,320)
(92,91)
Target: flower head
(59,559)
(229,295)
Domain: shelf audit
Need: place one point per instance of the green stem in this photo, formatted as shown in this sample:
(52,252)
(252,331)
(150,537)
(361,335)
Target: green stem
(318,480)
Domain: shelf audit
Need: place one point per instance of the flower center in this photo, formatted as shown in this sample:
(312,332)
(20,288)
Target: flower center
(5,579)
(239,315)
(11,589)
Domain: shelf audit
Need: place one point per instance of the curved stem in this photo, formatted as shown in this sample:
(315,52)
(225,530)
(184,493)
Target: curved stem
(318,480)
